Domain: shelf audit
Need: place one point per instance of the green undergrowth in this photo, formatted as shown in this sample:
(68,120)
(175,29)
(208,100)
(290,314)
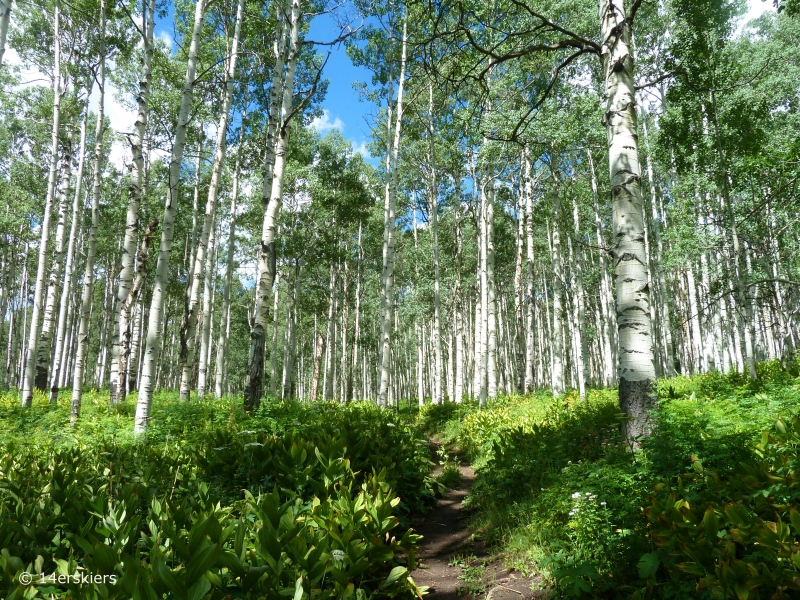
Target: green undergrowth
(298,500)
(703,511)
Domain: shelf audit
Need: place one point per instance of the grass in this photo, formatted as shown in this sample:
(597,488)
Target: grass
(558,490)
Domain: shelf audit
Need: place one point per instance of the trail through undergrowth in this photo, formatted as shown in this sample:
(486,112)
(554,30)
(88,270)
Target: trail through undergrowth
(451,562)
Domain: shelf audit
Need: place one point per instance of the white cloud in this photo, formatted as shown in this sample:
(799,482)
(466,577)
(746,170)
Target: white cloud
(166,37)
(362,149)
(755,8)
(324,123)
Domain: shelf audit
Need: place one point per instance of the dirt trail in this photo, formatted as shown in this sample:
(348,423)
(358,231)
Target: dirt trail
(445,532)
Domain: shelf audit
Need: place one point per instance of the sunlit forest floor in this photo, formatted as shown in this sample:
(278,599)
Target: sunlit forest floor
(315,500)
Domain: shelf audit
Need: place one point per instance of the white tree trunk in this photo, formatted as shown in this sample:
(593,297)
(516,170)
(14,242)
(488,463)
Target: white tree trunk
(557,381)
(88,277)
(531,303)
(273,180)
(491,301)
(224,323)
(433,211)
(581,350)
(38,295)
(156,314)
(636,364)
(387,272)
(200,258)
(121,326)
(66,292)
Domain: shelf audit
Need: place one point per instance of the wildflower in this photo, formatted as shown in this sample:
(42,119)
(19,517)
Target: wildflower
(602,504)
(576,495)
(338,554)
(569,462)
(573,511)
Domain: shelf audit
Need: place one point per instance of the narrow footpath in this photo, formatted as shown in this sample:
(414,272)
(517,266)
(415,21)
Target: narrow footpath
(446,536)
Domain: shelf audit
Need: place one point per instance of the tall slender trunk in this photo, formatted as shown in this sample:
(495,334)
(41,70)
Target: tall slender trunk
(69,267)
(273,180)
(606,296)
(518,349)
(531,303)
(636,364)
(356,318)
(433,211)
(224,323)
(156,314)
(458,386)
(38,295)
(121,326)
(319,349)
(387,273)
(45,351)
(491,302)
(482,326)
(289,377)
(273,354)
(201,262)
(558,341)
(581,350)
(91,242)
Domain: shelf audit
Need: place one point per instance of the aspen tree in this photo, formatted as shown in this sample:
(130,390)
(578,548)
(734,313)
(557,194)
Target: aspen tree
(433,211)
(357,316)
(636,364)
(45,350)
(121,327)
(156,314)
(275,165)
(200,261)
(91,242)
(491,300)
(531,304)
(458,385)
(387,272)
(29,367)
(225,315)
(58,370)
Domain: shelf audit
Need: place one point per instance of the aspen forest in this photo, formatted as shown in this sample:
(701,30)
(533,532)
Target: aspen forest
(399,298)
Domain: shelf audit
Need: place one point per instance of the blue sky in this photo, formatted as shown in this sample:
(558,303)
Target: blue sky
(342,108)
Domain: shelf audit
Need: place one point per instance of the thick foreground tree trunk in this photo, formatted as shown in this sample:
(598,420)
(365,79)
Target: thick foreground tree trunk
(636,364)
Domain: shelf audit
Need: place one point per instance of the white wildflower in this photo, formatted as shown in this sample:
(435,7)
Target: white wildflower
(576,495)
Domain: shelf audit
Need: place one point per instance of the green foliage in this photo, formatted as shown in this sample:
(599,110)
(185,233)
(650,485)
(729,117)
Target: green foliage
(450,475)
(298,500)
(557,489)
(734,536)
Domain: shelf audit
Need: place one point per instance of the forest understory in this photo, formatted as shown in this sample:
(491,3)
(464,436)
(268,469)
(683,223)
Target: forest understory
(327,500)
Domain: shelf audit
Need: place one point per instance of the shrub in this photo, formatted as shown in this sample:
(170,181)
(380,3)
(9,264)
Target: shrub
(734,536)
